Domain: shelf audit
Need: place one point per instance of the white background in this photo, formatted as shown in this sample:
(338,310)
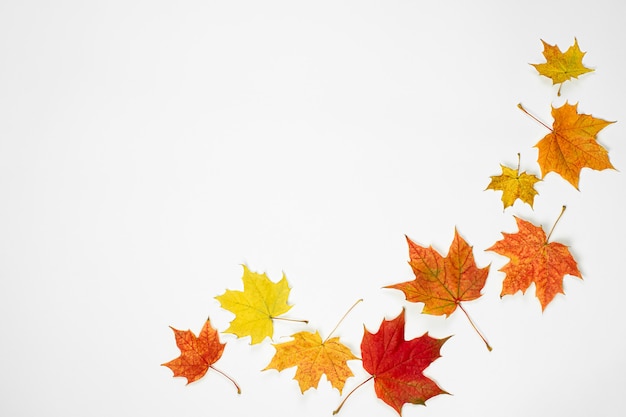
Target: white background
(148,148)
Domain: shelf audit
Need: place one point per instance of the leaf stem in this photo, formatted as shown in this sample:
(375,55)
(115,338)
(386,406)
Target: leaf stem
(231,380)
(293,320)
(519,160)
(519,105)
(340,320)
(554,225)
(475,328)
(350,393)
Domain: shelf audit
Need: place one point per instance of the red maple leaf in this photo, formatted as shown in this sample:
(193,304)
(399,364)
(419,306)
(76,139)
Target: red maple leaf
(396,365)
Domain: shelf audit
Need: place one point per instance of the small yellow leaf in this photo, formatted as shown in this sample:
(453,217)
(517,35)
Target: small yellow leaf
(314,358)
(256,306)
(514,186)
(560,66)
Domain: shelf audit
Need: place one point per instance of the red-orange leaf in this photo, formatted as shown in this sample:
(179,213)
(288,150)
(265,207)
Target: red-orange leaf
(197,354)
(443,283)
(534,259)
(397,365)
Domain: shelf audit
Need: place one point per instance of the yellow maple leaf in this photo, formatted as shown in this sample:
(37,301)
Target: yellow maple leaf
(314,357)
(256,306)
(560,66)
(514,185)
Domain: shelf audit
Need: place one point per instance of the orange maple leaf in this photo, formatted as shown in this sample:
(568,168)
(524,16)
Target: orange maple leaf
(314,357)
(443,283)
(197,354)
(571,145)
(534,259)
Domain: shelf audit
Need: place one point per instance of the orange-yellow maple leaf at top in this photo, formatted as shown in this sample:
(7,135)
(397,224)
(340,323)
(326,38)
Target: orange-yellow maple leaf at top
(560,66)
(514,186)
(197,354)
(443,283)
(314,357)
(534,259)
(572,145)
(256,306)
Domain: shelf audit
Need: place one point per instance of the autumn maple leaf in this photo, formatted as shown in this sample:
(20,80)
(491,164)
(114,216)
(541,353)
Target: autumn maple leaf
(197,354)
(443,283)
(561,67)
(255,308)
(571,144)
(534,259)
(314,357)
(514,185)
(397,365)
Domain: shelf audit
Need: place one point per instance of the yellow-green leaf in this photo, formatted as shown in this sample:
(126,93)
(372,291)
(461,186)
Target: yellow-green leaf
(562,66)
(256,306)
